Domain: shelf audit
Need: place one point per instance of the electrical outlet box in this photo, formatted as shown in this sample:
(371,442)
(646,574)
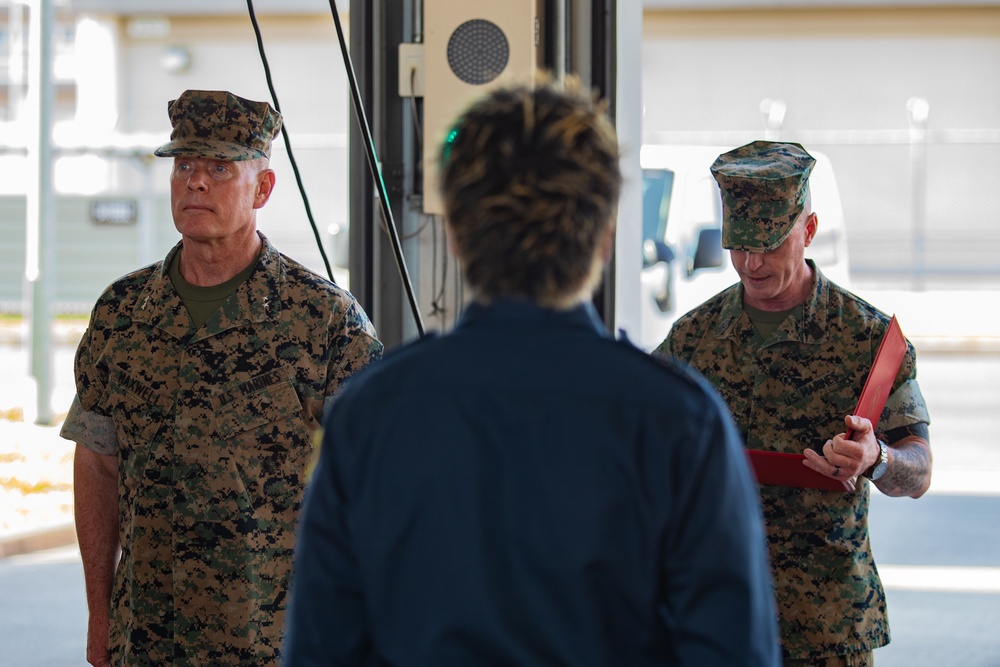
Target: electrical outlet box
(411,70)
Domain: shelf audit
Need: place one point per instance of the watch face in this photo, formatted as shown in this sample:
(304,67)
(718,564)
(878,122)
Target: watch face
(883,462)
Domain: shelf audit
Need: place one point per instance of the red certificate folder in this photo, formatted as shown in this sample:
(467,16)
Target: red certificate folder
(780,469)
(883,373)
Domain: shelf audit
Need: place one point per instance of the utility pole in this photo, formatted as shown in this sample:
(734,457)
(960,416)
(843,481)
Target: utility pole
(40,222)
(918,110)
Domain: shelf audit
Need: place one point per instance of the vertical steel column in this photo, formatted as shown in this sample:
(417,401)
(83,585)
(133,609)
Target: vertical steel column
(362,262)
(624,309)
(146,215)
(603,77)
(918,110)
(40,223)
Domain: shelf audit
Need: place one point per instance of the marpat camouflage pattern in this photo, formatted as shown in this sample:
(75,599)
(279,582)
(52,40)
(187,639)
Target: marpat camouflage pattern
(791,392)
(219,125)
(764,187)
(213,430)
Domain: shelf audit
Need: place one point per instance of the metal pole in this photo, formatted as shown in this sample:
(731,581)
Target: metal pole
(627,89)
(145,232)
(418,21)
(560,62)
(373,165)
(39,279)
(918,110)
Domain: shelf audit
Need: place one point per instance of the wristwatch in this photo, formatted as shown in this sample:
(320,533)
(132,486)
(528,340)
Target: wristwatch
(881,465)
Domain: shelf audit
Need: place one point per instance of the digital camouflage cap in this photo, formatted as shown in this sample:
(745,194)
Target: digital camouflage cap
(219,125)
(764,187)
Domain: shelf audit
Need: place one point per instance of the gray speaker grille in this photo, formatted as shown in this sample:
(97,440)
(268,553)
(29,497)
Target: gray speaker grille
(478,51)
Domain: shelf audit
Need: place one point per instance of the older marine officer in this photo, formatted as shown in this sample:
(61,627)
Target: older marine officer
(789,351)
(200,382)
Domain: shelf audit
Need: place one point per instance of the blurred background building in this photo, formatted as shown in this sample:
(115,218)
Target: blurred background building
(115,67)
(904,98)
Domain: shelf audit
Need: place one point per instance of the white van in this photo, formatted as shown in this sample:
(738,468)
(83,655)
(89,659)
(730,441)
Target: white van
(683,260)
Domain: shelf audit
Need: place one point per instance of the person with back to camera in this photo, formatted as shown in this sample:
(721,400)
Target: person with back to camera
(200,382)
(541,494)
(790,351)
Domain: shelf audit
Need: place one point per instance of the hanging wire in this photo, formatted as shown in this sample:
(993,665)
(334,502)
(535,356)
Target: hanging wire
(440,300)
(383,195)
(288,144)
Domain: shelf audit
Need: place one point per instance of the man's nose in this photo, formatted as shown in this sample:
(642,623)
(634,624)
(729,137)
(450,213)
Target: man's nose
(754,260)
(198,179)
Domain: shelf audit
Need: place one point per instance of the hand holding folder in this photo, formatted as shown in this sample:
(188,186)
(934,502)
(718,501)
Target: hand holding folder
(780,469)
(890,355)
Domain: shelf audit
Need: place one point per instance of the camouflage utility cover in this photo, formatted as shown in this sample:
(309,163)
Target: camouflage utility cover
(792,392)
(213,430)
(218,125)
(764,187)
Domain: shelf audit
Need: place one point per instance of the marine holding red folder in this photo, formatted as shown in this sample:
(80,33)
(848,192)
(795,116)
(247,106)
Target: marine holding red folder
(783,469)
(790,352)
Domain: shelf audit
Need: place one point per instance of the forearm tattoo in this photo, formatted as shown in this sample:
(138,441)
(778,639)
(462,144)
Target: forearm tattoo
(911,461)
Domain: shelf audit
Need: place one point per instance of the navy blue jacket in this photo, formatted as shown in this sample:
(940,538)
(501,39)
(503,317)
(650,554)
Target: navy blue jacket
(527,491)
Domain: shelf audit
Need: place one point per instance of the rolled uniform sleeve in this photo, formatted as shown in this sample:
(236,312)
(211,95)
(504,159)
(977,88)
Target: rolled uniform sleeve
(83,424)
(89,429)
(905,405)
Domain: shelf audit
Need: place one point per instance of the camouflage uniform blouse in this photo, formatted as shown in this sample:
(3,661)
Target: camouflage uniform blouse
(213,431)
(792,392)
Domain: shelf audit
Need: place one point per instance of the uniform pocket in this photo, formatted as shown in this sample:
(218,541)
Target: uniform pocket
(814,412)
(139,413)
(260,427)
(264,399)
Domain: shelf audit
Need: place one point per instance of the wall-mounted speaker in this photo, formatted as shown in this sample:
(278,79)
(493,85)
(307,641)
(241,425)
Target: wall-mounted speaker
(470,46)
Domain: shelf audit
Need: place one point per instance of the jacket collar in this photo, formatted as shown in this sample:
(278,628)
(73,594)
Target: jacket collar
(806,324)
(518,313)
(255,301)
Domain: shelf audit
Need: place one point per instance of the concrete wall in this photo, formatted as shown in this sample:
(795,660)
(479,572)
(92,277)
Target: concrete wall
(87,255)
(311,85)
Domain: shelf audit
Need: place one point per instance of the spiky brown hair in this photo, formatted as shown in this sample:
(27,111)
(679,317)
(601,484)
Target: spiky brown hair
(530,180)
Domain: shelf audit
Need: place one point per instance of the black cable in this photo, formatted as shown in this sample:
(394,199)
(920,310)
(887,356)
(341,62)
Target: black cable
(383,195)
(423,225)
(288,144)
(413,110)
(440,301)
(436,309)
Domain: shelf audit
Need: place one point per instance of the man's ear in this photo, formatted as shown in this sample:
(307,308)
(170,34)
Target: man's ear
(607,243)
(812,224)
(265,186)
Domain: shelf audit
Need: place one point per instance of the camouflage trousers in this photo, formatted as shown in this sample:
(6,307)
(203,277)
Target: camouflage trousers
(860,659)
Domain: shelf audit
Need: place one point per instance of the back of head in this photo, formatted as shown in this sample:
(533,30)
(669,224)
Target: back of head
(530,181)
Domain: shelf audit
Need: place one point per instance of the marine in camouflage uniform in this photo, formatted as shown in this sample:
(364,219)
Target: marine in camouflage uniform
(791,390)
(211,427)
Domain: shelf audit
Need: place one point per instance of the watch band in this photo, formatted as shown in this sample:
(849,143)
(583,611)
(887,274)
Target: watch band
(881,465)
